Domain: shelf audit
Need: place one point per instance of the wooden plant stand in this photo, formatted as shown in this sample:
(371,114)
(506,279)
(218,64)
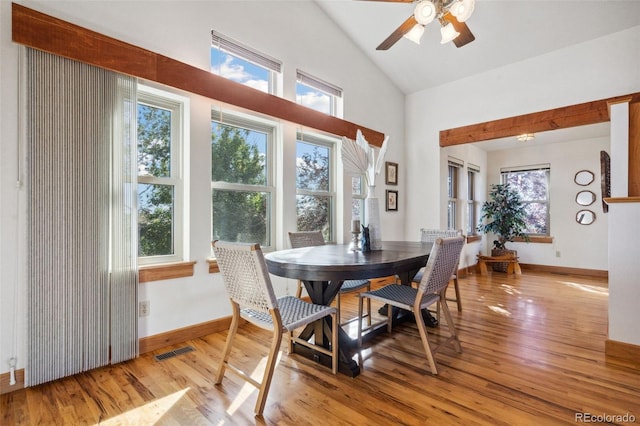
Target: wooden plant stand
(511,259)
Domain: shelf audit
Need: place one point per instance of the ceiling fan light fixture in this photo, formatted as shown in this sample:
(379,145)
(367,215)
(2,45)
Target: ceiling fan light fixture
(448,33)
(415,33)
(462,9)
(425,12)
(525,137)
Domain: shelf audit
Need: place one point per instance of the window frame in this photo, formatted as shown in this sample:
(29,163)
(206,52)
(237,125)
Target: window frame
(179,107)
(473,205)
(243,52)
(331,143)
(453,191)
(505,171)
(259,124)
(334,92)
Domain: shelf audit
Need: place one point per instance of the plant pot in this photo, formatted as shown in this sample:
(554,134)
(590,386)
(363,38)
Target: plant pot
(501,267)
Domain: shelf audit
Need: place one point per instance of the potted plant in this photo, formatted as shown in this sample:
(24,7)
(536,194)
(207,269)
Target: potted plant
(504,216)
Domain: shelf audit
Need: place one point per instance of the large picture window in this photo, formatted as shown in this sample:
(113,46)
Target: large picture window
(532,183)
(242,176)
(161,136)
(315,187)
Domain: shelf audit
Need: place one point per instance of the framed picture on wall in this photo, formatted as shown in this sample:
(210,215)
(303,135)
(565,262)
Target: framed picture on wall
(391,173)
(392,201)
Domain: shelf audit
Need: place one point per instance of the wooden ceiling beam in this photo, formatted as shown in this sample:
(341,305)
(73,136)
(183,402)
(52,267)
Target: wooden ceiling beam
(49,34)
(552,119)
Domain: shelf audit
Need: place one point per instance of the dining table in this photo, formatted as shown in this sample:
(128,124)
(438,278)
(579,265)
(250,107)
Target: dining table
(324,268)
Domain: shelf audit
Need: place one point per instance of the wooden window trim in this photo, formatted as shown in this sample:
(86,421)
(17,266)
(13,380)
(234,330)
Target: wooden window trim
(165,271)
(213,266)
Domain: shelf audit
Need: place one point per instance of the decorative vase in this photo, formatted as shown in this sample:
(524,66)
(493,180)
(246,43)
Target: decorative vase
(372,217)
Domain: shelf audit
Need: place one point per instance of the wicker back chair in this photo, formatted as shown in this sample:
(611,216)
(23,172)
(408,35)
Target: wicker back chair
(429,236)
(249,287)
(315,238)
(443,259)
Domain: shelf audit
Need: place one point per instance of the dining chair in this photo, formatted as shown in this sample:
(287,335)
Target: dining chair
(443,259)
(315,238)
(250,290)
(429,236)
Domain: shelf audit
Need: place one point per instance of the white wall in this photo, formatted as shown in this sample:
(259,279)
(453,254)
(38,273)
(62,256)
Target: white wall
(569,237)
(598,69)
(298,33)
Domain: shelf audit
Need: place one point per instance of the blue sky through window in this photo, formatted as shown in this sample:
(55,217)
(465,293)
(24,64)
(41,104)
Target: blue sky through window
(239,70)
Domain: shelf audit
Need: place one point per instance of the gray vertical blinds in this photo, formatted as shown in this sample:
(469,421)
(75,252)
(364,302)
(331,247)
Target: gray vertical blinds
(304,78)
(81,263)
(236,48)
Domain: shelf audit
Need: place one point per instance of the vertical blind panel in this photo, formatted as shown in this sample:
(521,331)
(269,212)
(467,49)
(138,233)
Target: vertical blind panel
(69,120)
(123,264)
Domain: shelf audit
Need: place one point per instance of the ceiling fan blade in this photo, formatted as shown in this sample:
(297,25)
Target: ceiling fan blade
(466,36)
(404,28)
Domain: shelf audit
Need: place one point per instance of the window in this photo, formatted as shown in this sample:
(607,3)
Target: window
(242,178)
(532,182)
(315,193)
(473,206)
(317,94)
(452,194)
(161,139)
(237,62)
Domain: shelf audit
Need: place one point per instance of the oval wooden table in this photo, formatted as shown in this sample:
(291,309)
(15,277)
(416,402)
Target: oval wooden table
(324,268)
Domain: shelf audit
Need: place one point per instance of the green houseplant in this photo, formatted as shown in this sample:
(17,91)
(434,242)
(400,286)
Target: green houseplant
(503,215)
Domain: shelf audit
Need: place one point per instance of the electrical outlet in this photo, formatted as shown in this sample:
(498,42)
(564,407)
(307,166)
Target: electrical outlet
(144,308)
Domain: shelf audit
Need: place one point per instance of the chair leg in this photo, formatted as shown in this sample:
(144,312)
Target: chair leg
(235,320)
(360,301)
(369,307)
(389,317)
(334,343)
(452,327)
(422,328)
(338,306)
(457,289)
(299,290)
(268,372)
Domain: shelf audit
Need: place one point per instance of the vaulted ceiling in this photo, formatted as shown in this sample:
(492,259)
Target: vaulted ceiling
(506,31)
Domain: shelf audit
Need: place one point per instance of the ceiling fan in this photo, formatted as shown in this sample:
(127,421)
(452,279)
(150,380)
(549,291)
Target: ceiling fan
(451,14)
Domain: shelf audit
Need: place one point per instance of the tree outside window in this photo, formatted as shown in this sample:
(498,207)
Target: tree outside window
(533,187)
(159,141)
(240,176)
(315,197)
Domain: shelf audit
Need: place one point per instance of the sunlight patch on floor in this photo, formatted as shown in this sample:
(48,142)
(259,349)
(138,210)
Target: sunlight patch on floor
(588,288)
(509,289)
(500,310)
(150,413)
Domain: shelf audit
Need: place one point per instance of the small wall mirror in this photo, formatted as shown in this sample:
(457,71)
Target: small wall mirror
(585,217)
(584,177)
(585,198)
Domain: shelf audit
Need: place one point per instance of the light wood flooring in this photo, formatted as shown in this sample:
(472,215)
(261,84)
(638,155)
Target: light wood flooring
(533,354)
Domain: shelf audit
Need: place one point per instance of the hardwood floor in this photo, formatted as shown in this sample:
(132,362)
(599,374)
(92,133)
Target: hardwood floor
(533,353)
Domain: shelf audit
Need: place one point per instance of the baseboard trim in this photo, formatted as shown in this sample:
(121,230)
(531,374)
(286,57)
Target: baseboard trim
(595,273)
(5,387)
(181,335)
(622,353)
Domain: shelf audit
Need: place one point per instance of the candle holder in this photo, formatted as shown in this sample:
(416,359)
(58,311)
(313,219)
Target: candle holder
(355,241)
